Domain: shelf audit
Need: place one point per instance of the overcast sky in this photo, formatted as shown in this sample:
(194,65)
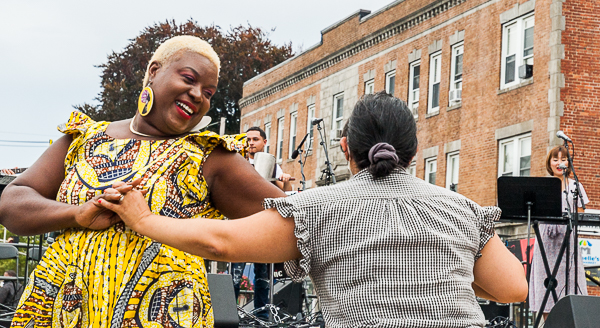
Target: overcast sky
(48,50)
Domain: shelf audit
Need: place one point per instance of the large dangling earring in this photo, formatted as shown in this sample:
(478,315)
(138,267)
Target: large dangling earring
(146,100)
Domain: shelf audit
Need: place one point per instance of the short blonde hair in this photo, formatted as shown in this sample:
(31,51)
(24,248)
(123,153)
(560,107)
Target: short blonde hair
(177,44)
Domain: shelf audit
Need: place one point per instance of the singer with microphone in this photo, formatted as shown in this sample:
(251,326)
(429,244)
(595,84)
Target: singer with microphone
(552,236)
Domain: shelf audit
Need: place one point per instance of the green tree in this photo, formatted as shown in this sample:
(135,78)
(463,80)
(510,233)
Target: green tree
(245,52)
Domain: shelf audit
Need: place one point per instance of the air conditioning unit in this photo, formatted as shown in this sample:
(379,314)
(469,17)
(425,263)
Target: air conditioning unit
(455,95)
(336,135)
(525,71)
(415,109)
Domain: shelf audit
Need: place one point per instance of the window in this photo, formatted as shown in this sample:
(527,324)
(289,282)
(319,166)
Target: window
(456,71)
(412,169)
(515,156)
(517,51)
(279,139)
(435,68)
(338,114)
(293,123)
(430,170)
(413,86)
(370,87)
(390,81)
(309,127)
(268,133)
(452,171)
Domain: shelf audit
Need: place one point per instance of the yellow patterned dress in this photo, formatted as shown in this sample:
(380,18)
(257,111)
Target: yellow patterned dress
(116,277)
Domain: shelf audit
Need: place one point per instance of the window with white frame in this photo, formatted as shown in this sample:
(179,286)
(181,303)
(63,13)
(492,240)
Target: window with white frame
(293,124)
(338,114)
(452,171)
(413,86)
(390,81)
(456,73)
(280,139)
(517,51)
(309,127)
(268,133)
(435,69)
(515,156)
(430,169)
(412,169)
(370,87)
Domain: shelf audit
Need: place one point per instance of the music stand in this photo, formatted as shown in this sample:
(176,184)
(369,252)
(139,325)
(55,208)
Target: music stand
(538,198)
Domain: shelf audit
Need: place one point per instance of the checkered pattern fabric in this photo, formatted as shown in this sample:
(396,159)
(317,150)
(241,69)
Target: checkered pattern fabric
(391,252)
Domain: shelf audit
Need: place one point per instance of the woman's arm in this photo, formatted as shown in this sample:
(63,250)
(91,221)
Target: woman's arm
(499,275)
(28,205)
(236,189)
(264,237)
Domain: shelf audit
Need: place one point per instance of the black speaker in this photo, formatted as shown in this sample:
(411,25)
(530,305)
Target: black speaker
(492,310)
(223,301)
(575,311)
(290,297)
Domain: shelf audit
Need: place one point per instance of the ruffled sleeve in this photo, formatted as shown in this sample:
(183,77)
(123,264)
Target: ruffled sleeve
(207,141)
(77,126)
(486,216)
(299,268)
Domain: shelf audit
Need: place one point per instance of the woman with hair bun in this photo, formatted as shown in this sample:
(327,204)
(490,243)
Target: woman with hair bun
(101,274)
(384,249)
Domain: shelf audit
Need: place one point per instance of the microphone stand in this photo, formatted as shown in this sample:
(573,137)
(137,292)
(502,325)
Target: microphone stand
(329,169)
(300,151)
(574,210)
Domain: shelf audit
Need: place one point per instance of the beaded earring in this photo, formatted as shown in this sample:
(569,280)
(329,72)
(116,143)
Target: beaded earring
(146,100)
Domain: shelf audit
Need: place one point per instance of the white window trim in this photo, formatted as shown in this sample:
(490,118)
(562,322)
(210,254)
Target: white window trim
(293,133)
(518,24)
(412,169)
(427,170)
(334,119)
(268,133)
(432,81)
(453,81)
(449,172)
(279,145)
(413,99)
(370,85)
(388,77)
(516,156)
(309,127)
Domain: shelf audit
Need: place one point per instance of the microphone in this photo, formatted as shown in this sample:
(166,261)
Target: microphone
(562,167)
(563,136)
(316,121)
(296,152)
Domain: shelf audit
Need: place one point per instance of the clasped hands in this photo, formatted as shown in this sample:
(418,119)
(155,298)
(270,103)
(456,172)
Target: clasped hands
(121,202)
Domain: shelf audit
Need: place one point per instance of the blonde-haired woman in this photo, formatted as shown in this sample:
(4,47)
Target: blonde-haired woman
(552,236)
(104,275)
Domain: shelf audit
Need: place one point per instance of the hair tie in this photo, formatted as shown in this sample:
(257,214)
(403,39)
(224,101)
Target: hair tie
(383,151)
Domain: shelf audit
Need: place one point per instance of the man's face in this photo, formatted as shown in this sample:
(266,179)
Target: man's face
(256,143)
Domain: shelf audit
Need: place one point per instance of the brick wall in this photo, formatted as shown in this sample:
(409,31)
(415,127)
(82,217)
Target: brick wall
(581,68)
(485,109)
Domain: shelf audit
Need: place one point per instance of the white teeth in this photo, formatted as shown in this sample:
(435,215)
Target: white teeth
(185,107)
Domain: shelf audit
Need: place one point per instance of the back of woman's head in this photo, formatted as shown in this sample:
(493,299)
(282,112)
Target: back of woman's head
(381,134)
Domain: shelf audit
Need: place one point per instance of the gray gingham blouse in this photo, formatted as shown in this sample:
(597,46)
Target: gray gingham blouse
(392,252)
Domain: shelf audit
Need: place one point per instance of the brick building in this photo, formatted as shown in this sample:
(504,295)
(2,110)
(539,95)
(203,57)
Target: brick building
(490,82)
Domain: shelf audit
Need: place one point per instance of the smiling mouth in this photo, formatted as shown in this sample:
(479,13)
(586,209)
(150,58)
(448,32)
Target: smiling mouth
(185,108)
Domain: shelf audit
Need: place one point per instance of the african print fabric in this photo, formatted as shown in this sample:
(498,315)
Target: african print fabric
(116,277)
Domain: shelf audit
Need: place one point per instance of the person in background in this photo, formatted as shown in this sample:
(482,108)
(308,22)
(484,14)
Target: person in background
(13,240)
(383,249)
(552,237)
(257,140)
(7,172)
(10,290)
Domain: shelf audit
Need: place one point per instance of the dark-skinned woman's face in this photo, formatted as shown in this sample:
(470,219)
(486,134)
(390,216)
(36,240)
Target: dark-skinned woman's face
(182,92)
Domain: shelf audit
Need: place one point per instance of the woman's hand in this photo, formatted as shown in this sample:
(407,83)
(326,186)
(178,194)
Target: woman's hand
(94,216)
(130,205)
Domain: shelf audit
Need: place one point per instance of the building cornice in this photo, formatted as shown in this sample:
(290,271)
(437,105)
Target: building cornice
(369,41)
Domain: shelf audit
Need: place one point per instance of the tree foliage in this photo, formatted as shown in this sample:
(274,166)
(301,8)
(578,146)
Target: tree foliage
(245,52)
